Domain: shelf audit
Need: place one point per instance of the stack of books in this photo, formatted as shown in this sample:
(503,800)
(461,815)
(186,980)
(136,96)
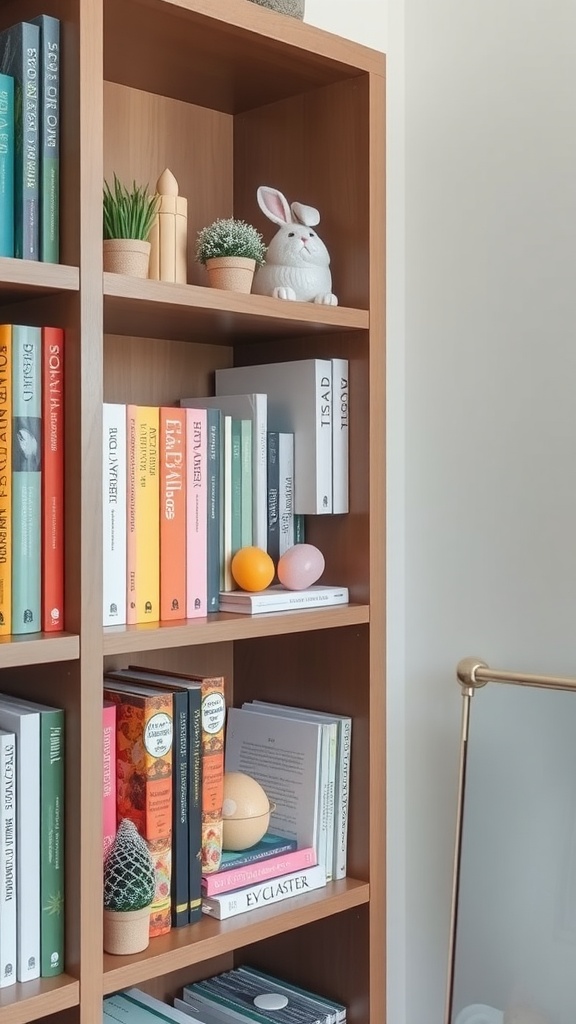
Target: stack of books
(31,840)
(242,994)
(30,139)
(185,488)
(31,479)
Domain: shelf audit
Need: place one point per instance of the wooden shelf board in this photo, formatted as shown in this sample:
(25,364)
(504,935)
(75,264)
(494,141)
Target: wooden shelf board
(210,938)
(22,279)
(226,626)
(219,54)
(37,649)
(36,999)
(186,312)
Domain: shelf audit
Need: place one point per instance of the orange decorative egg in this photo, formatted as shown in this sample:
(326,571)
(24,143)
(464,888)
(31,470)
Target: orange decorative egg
(252,569)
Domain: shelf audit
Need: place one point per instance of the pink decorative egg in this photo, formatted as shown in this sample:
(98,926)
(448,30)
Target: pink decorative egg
(300,566)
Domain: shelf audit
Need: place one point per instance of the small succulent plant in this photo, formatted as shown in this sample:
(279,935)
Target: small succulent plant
(129,879)
(128,213)
(230,237)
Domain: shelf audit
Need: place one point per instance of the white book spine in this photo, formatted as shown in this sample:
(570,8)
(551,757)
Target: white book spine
(26,727)
(340,434)
(323,435)
(289,600)
(255,897)
(342,798)
(286,491)
(114,513)
(330,733)
(8,862)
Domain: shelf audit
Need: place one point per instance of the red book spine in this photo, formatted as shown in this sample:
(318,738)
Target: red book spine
(53,479)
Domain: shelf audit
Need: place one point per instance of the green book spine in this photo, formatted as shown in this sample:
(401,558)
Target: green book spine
(195,803)
(246,482)
(49,136)
(51,842)
(299,528)
(19,57)
(6,165)
(26,478)
(214,473)
(236,486)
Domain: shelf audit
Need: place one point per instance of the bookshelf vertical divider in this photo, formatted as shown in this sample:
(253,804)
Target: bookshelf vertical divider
(229,96)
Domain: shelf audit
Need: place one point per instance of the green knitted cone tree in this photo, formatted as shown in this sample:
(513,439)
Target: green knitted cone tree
(128,871)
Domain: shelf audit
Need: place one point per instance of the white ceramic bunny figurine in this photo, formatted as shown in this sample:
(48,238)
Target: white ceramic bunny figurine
(297,262)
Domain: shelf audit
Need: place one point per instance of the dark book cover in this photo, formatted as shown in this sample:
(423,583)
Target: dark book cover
(6,165)
(49,136)
(273,490)
(19,57)
(213,420)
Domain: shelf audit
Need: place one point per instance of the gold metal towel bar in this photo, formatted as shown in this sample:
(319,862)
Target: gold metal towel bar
(473,673)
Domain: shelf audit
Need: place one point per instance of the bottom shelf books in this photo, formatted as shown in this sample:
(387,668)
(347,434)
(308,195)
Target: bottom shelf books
(241,994)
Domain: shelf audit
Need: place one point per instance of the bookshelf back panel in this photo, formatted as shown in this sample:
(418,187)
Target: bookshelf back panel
(145,133)
(148,371)
(209,660)
(291,146)
(68,11)
(324,672)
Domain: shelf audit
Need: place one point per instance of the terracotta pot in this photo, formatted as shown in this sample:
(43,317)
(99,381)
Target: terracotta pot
(126,256)
(126,931)
(295,8)
(233,273)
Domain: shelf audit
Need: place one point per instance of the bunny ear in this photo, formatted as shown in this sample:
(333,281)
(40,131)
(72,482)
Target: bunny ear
(305,215)
(274,205)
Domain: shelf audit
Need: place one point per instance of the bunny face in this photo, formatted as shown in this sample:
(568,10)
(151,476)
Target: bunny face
(295,245)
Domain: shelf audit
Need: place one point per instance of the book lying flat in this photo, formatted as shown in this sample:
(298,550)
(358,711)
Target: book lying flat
(278,599)
(253,897)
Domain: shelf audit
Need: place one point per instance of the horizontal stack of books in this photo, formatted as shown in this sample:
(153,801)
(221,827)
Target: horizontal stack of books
(242,994)
(31,479)
(31,840)
(185,488)
(30,139)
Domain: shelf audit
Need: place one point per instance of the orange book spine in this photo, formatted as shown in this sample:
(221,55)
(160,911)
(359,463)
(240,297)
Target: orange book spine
(53,479)
(172,514)
(144,727)
(131,514)
(213,717)
(147,514)
(5,479)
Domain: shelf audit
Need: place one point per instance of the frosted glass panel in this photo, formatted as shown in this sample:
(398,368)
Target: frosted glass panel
(515,952)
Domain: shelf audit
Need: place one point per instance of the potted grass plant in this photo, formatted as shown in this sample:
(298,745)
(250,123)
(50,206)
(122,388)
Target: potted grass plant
(129,214)
(129,884)
(230,250)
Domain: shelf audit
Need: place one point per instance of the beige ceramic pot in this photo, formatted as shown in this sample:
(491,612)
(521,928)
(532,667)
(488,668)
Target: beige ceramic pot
(126,256)
(233,273)
(126,931)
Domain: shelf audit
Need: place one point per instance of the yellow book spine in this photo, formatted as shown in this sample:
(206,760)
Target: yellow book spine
(147,514)
(5,479)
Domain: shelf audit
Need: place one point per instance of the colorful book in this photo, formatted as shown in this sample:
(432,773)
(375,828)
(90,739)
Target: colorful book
(213,526)
(270,845)
(19,56)
(144,735)
(196,513)
(236,486)
(172,514)
(108,775)
(52,479)
(272,867)
(26,478)
(143,545)
(6,165)
(278,599)
(5,479)
(8,863)
(286,491)
(24,722)
(114,461)
(299,402)
(340,433)
(264,894)
(49,136)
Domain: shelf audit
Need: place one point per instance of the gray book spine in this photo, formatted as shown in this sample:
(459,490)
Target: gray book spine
(20,58)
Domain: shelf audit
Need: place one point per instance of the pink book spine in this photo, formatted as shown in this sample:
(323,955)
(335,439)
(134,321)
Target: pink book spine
(196,514)
(250,874)
(108,774)
(131,514)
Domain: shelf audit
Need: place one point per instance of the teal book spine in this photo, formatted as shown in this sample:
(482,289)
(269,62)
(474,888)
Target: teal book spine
(236,486)
(19,57)
(26,478)
(213,531)
(51,842)
(299,528)
(246,483)
(49,137)
(6,165)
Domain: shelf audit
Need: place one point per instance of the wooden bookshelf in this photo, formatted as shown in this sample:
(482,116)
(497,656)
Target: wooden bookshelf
(230,96)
